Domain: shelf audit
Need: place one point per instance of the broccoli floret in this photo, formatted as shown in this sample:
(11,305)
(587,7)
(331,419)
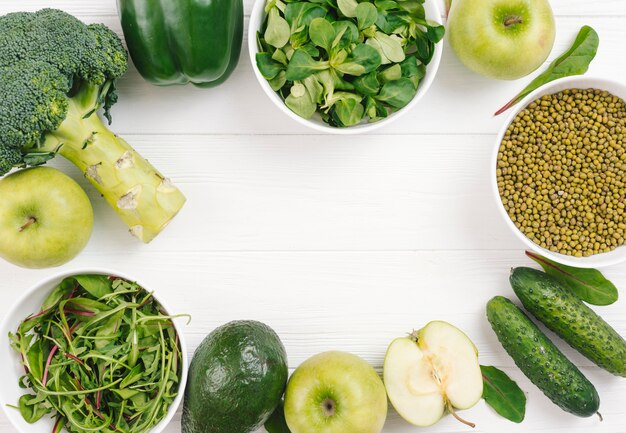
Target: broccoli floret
(56,73)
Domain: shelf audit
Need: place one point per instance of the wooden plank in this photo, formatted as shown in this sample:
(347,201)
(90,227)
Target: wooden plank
(352,301)
(355,301)
(302,193)
(108,7)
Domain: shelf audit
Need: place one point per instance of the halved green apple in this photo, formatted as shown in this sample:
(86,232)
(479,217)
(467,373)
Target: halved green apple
(432,372)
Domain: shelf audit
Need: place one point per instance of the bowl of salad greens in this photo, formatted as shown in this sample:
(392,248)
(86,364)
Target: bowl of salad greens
(345,66)
(91,351)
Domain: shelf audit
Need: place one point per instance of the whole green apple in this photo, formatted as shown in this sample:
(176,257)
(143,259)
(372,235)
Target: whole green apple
(502,39)
(46,219)
(335,392)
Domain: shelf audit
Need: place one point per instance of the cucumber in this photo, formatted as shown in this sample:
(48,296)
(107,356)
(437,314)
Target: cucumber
(540,360)
(565,314)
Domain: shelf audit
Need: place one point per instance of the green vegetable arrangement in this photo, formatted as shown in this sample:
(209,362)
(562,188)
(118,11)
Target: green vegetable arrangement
(101,355)
(344,59)
(56,73)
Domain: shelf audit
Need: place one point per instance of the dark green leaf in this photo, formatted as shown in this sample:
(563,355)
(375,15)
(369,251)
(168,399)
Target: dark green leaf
(347,33)
(276,423)
(302,65)
(574,61)
(435,33)
(503,394)
(587,284)
(397,93)
(374,109)
(362,60)
(367,84)
(301,14)
(96,285)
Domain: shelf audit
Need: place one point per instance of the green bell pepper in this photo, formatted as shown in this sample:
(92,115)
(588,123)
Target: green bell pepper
(183,41)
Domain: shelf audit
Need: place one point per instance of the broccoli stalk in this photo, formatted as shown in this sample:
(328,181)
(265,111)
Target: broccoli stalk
(56,73)
(143,198)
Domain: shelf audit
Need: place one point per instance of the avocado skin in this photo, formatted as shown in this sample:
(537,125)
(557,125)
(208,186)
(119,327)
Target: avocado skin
(540,360)
(236,379)
(568,317)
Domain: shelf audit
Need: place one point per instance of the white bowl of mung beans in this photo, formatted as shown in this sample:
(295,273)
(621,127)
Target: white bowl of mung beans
(559,171)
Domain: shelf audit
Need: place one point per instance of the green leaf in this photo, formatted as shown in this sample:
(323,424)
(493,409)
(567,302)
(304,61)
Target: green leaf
(574,61)
(413,69)
(278,82)
(367,84)
(300,102)
(374,109)
(96,285)
(392,73)
(348,112)
(366,15)
(362,60)
(301,14)
(276,422)
(503,394)
(346,33)
(32,409)
(588,285)
(397,93)
(36,359)
(302,65)
(391,47)
(435,33)
(277,32)
(60,292)
(348,7)
(322,33)
(315,89)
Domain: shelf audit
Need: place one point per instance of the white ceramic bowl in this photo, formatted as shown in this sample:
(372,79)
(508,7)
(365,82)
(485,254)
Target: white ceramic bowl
(256,20)
(12,370)
(618,255)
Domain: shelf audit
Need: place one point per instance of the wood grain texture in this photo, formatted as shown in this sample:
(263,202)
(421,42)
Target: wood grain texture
(338,243)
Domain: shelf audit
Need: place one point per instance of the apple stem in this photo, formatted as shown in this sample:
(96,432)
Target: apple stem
(458,418)
(600,416)
(512,21)
(30,221)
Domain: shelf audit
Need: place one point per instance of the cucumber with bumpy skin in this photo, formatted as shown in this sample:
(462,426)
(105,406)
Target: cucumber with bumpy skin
(562,312)
(540,360)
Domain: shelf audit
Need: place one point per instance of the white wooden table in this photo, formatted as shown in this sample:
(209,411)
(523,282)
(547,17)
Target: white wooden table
(338,243)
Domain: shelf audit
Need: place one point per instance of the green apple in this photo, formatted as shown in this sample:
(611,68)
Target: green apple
(432,372)
(503,39)
(46,219)
(335,392)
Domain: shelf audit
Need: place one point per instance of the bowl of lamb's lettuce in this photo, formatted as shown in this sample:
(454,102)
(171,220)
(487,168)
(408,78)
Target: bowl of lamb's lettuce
(91,351)
(345,66)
